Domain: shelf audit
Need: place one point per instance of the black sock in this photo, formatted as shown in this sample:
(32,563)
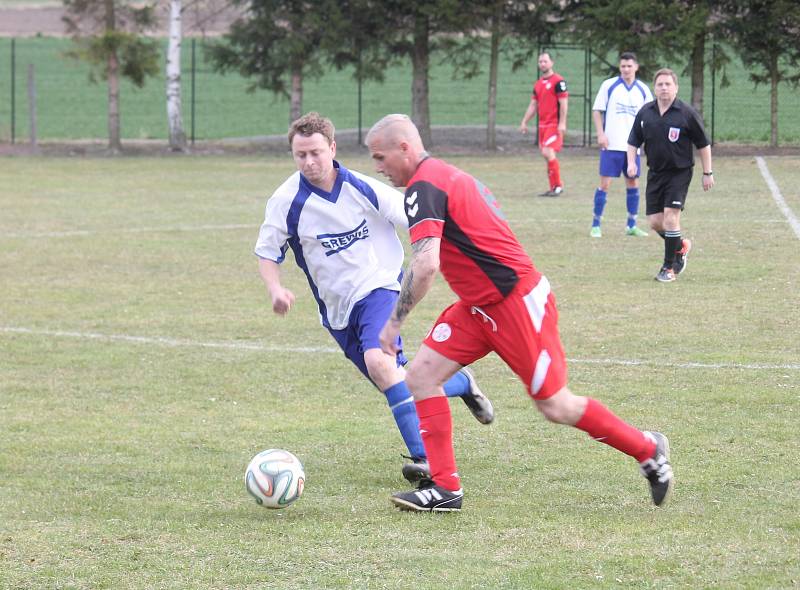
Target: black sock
(672,243)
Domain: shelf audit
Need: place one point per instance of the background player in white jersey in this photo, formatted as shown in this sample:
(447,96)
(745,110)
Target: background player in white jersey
(615,107)
(340,225)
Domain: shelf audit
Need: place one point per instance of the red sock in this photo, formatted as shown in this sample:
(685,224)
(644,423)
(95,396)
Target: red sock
(554,173)
(436,427)
(602,425)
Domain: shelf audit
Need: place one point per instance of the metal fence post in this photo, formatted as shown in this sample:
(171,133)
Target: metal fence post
(360,82)
(13,89)
(32,105)
(194,69)
(713,87)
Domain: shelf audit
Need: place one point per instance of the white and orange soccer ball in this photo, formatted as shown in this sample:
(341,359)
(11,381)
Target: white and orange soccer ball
(275,478)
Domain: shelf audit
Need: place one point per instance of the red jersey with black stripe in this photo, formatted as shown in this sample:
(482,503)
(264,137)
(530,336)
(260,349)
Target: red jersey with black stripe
(547,91)
(480,257)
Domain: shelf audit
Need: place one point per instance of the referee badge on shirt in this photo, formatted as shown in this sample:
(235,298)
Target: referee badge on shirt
(674,134)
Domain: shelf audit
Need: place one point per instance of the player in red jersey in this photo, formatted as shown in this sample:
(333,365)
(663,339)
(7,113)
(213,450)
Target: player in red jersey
(549,98)
(504,305)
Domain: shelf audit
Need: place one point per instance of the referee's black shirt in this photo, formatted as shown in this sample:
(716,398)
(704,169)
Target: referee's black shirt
(668,139)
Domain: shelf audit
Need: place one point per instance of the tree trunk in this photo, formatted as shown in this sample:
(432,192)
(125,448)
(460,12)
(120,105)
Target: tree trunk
(114,143)
(698,70)
(774,75)
(112,73)
(420,108)
(177,136)
(494,53)
(296,97)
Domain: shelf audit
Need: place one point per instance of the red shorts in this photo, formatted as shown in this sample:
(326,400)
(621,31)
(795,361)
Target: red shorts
(522,329)
(550,137)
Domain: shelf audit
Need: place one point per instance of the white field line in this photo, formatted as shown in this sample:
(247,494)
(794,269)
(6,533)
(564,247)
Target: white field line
(128,230)
(161,341)
(776,195)
(72,233)
(257,347)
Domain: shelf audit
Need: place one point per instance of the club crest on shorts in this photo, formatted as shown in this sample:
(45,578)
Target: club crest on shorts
(674,134)
(441,332)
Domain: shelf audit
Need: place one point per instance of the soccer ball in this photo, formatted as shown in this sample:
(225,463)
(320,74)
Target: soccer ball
(275,478)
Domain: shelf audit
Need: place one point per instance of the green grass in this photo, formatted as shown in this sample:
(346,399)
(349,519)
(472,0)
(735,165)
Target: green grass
(69,107)
(122,461)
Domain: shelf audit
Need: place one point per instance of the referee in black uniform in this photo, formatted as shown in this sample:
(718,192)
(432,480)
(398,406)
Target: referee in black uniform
(668,128)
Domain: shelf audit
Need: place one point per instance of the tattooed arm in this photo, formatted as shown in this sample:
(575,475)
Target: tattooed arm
(417,281)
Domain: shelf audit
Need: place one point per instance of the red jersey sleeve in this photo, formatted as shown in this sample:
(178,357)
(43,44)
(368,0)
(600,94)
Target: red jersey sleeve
(426,209)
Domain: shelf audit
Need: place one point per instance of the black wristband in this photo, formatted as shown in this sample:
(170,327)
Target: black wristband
(708,174)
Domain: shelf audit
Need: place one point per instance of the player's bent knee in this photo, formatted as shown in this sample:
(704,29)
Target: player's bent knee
(382,368)
(563,407)
(420,384)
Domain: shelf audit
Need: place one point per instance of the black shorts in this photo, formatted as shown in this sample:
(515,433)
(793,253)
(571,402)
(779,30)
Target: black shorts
(667,189)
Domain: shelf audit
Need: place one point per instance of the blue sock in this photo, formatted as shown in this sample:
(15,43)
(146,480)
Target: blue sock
(401,402)
(457,385)
(632,201)
(599,205)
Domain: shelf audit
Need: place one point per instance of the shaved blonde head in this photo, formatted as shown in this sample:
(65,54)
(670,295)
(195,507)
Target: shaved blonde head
(396,148)
(392,129)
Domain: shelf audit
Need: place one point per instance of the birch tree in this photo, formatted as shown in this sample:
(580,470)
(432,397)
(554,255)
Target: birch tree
(177,136)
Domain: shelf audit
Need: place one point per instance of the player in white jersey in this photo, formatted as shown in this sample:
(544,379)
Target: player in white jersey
(615,108)
(340,225)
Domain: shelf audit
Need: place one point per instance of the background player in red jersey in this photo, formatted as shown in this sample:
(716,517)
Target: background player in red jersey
(549,98)
(504,305)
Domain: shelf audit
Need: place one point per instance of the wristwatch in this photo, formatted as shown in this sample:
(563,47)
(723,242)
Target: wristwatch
(708,174)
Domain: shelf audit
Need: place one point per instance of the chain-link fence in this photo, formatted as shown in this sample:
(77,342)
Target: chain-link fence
(39,85)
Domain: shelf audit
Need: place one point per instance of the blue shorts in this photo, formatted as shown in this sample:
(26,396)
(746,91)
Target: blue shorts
(614,163)
(363,331)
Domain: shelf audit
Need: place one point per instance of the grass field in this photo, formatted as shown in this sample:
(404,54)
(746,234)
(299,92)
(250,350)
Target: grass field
(141,368)
(71,108)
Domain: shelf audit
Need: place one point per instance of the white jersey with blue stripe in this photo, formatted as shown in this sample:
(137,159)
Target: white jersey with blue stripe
(619,104)
(345,241)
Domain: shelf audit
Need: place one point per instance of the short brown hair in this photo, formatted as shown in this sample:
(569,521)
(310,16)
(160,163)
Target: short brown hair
(665,72)
(312,123)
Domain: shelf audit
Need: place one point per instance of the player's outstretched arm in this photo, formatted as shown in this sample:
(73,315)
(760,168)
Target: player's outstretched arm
(417,281)
(282,298)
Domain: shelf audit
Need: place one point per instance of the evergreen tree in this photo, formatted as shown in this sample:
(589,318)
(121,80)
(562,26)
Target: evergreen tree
(107,36)
(660,33)
(765,34)
(277,44)
(514,29)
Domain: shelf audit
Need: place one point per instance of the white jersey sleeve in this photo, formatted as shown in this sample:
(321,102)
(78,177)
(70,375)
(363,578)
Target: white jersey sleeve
(601,100)
(390,201)
(274,234)
(344,241)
